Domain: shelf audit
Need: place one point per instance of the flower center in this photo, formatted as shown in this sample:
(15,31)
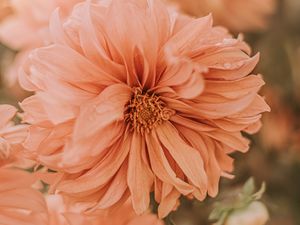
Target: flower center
(145,111)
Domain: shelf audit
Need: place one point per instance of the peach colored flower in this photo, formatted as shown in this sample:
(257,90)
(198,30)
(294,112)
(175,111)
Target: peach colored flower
(19,203)
(61,213)
(237,15)
(26,27)
(11,136)
(134,98)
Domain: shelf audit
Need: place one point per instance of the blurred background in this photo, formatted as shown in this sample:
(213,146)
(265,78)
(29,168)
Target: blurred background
(275,153)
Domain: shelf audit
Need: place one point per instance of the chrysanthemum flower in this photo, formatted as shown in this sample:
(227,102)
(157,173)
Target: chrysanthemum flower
(61,213)
(19,203)
(133,98)
(26,27)
(237,15)
(11,137)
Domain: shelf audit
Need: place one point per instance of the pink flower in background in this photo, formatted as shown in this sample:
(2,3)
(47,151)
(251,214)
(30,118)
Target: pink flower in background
(19,203)
(133,98)
(11,137)
(237,15)
(26,28)
(62,214)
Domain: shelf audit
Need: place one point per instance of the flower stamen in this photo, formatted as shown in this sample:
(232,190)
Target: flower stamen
(145,111)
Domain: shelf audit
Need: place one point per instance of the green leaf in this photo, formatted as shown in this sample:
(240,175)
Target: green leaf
(223,218)
(216,213)
(249,187)
(258,195)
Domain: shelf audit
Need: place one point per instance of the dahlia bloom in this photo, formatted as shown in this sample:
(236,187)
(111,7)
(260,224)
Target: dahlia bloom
(134,98)
(237,15)
(26,27)
(11,136)
(62,214)
(19,203)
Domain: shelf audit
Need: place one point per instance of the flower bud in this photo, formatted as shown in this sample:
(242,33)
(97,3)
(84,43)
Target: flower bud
(254,214)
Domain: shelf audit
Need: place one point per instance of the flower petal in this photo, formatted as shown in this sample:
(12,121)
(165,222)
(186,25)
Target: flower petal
(188,159)
(139,176)
(161,166)
(7,112)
